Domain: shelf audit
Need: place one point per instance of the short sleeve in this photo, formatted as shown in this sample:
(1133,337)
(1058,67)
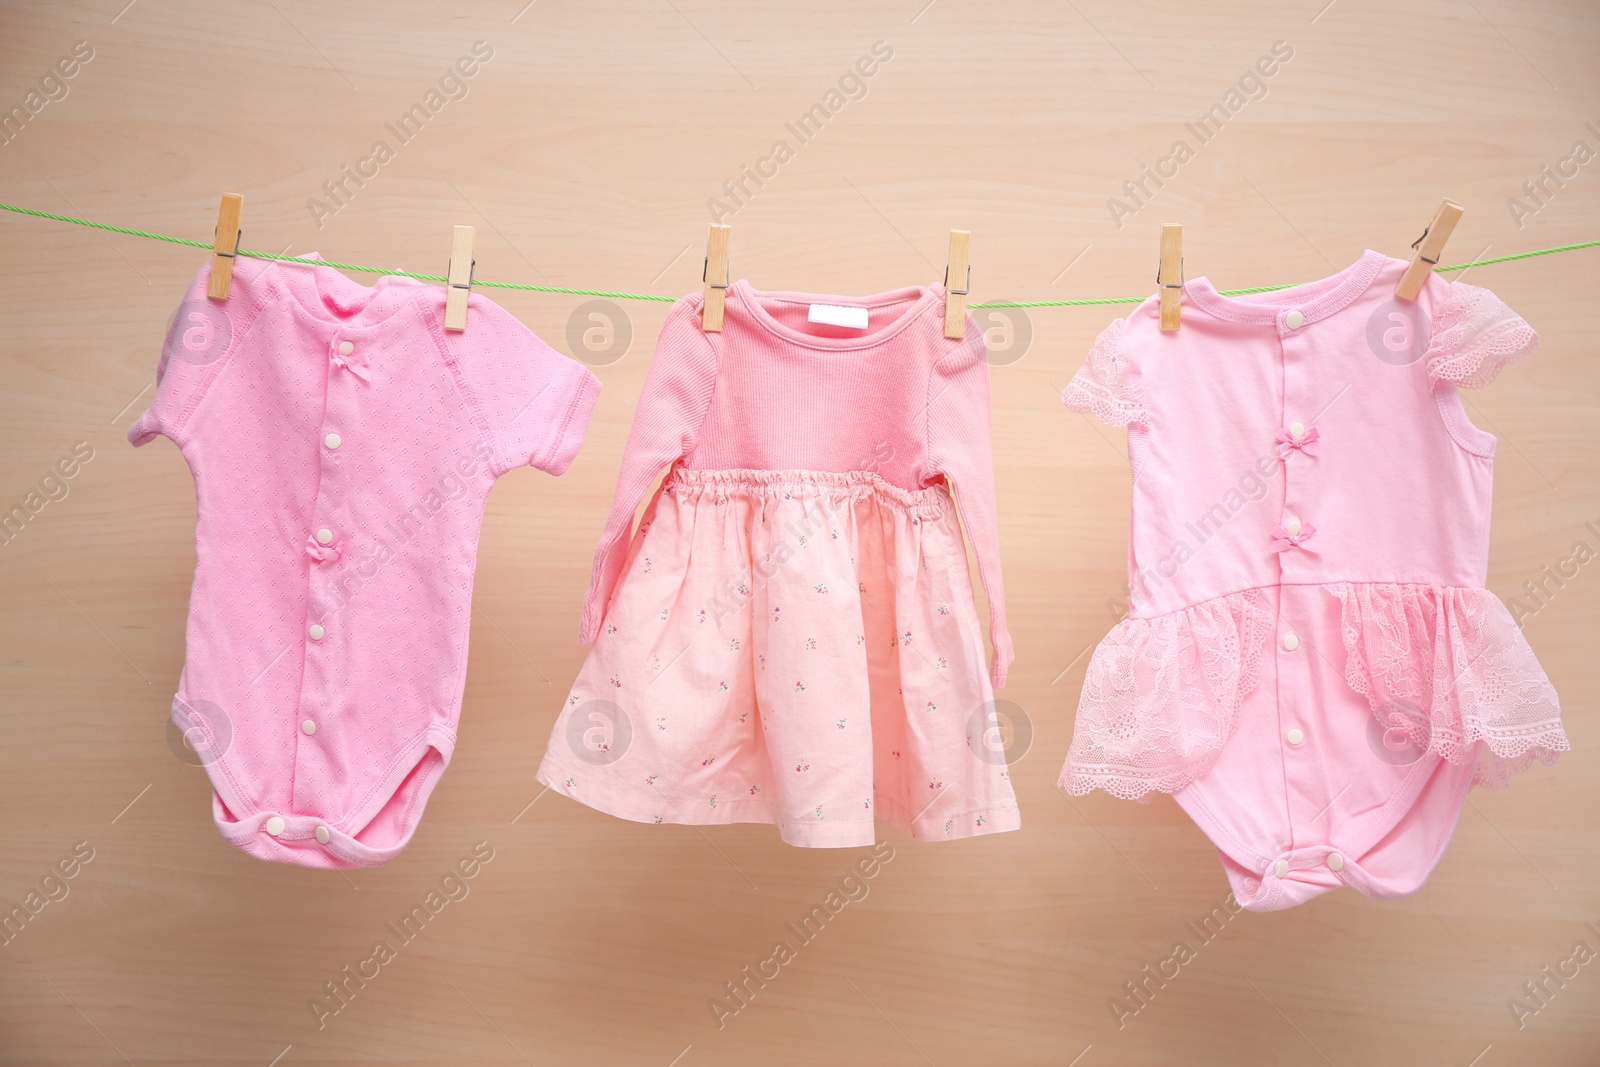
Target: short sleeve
(1107,385)
(1474,334)
(198,338)
(534,401)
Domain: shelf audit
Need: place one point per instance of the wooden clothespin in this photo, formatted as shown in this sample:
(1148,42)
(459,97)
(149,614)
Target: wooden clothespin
(958,267)
(1171,267)
(226,246)
(1428,248)
(715,275)
(462,266)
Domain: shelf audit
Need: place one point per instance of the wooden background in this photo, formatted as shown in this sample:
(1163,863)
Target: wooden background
(585,152)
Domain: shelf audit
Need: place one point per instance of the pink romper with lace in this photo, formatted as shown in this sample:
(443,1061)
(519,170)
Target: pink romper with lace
(790,635)
(343,446)
(1311,664)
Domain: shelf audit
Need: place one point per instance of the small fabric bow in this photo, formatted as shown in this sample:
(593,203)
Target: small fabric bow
(1283,540)
(354,363)
(1306,442)
(323,553)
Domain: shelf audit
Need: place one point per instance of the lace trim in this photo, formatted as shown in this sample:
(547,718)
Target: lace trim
(1162,695)
(1105,386)
(1444,666)
(1475,335)
(1449,668)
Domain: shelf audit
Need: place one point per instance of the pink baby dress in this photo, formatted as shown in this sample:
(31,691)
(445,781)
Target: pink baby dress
(342,445)
(1311,664)
(790,635)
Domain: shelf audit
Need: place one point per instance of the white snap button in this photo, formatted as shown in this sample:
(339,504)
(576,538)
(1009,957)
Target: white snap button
(324,535)
(316,631)
(1295,737)
(1297,430)
(345,348)
(1280,868)
(275,825)
(1293,526)
(1294,320)
(1335,862)
(308,727)
(333,440)
(1290,642)
(323,835)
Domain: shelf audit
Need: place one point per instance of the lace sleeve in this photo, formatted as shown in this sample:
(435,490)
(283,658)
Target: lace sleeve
(1474,336)
(1106,386)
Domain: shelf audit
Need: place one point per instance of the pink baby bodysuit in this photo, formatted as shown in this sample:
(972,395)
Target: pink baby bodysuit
(343,446)
(790,636)
(1311,664)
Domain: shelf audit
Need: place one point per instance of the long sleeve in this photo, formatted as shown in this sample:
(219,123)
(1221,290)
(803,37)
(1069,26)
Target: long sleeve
(676,396)
(960,447)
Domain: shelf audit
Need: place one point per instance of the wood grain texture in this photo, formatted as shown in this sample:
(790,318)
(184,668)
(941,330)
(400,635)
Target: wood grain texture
(585,149)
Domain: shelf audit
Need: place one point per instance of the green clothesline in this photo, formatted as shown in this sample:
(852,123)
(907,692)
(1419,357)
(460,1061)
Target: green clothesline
(669,299)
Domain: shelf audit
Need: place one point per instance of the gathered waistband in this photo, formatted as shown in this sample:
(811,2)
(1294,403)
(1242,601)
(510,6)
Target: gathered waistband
(835,486)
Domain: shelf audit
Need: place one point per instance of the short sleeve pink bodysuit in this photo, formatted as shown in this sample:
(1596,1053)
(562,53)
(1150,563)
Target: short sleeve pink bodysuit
(342,445)
(1311,664)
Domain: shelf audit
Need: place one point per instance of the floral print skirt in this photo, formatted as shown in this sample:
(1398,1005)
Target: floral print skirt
(792,647)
